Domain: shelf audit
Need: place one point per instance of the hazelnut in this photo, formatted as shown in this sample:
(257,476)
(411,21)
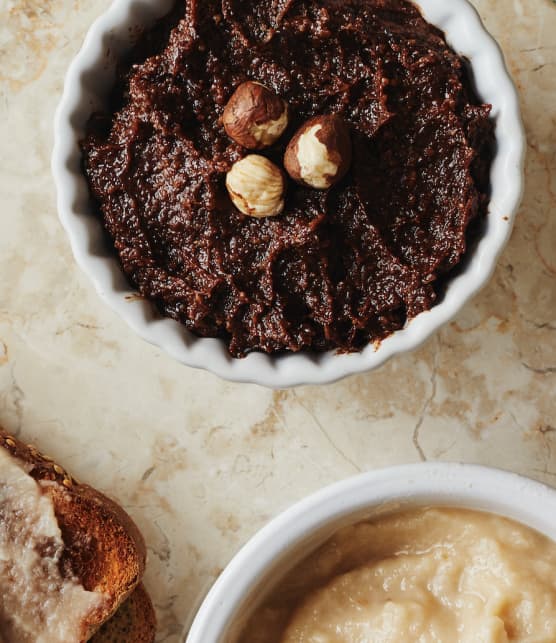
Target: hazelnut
(256,186)
(255,116)
(319,155)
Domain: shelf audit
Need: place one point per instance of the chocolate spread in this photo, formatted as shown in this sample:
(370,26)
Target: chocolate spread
(339,268)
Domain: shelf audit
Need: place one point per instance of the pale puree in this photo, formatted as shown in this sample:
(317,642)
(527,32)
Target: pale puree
(424,576)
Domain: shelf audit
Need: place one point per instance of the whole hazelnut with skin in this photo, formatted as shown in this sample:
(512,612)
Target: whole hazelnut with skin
(319,154)
(256,186)
(255,116)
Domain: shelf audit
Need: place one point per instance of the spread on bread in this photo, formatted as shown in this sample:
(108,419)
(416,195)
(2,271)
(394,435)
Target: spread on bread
(71,559)
(40,603)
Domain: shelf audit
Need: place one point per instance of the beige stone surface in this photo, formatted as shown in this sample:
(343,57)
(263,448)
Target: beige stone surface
(202,464)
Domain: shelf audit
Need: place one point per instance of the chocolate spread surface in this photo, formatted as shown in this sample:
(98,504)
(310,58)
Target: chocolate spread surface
(339,268)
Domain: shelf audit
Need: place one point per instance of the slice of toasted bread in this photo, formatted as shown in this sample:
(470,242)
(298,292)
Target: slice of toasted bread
(134,622)
(103,548)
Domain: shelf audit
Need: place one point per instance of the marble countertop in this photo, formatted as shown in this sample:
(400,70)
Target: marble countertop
(202,464)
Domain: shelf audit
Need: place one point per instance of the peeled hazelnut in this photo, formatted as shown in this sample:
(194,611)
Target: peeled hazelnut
(256,186)
(255,116)
(319,155)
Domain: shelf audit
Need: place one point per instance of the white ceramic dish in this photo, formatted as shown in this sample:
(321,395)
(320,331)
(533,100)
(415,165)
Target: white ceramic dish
(301,529)
(87,84)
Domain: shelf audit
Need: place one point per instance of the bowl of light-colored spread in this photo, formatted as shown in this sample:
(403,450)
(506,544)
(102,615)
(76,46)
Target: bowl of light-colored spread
(429,552)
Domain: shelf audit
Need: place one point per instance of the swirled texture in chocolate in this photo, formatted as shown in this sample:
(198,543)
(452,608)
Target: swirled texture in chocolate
(339,268)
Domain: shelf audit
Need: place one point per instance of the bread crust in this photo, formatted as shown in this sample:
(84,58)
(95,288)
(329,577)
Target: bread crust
(134,622)
(104,549)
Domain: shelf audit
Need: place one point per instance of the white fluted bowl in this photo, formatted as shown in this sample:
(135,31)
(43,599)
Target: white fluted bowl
(89,80)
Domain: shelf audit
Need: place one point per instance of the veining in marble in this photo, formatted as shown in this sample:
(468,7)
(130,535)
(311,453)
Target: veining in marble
(201,464)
